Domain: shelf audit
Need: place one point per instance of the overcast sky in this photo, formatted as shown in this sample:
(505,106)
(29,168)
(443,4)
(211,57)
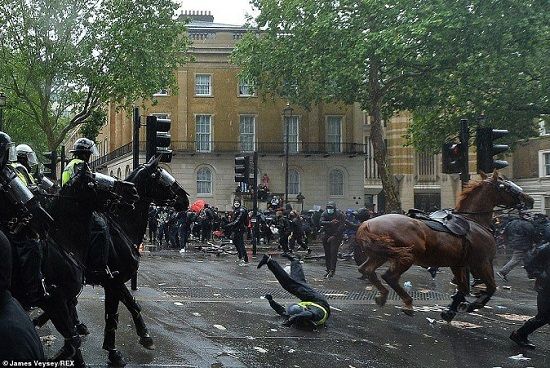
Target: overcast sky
(224,11)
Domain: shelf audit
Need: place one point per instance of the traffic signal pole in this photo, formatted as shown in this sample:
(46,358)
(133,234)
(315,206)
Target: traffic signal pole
(135,163)
(464,141)
(255,229)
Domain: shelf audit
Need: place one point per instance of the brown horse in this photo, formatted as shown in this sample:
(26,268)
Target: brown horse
(403,241)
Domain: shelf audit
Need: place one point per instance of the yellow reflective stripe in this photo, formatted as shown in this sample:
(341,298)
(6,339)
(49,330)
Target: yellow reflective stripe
(325,317)
(69,170)
(21,176)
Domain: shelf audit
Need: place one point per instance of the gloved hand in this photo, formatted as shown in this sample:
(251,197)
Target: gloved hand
(268,297)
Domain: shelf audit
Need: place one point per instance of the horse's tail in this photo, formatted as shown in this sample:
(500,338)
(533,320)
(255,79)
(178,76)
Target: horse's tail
(382,246)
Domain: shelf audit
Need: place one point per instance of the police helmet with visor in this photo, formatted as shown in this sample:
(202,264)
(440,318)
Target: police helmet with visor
(25,154)
(85,145)
(8,152)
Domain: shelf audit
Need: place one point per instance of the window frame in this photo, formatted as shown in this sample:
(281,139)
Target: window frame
(210,134)
(211,182)
(291,143)
(341,133)
(542,164)
(330,183)
(290,183)
(250,86)
(210,85)
(253,116)
(161,93)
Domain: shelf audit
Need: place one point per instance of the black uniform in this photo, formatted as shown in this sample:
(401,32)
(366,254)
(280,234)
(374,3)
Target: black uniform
(537,265)
(333,225)
(238,228)
(283,226)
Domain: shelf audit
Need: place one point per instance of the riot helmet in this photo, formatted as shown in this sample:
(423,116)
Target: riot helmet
(294,309)
(26,156)
(84,148)
(7,150)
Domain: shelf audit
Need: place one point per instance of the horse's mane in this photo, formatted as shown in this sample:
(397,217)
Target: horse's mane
(468,190)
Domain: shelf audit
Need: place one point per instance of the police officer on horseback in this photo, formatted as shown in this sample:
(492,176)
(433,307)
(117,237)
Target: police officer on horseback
(25,167)
(98,270)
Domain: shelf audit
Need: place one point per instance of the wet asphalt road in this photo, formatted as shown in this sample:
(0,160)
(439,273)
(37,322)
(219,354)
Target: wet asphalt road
(206,311)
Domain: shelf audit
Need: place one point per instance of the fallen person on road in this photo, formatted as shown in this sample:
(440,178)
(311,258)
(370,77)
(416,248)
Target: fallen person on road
(312,311)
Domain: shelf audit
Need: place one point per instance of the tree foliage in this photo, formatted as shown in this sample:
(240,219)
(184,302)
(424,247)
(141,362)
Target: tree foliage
(63,59)
(387,55)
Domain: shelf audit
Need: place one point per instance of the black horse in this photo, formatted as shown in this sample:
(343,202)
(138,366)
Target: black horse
(127,226)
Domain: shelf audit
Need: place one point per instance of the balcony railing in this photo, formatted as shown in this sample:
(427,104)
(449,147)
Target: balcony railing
(275,148)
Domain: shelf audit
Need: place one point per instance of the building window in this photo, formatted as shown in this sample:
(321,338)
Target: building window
(544,163)
(127,173)
(203,85)
(247,131)
(293,133)
(161,115)
(334,134)
(293,182)
(119,173)
(204,181)
(204,133)
(246,88)
(161,92)
(336,182)
(371,168)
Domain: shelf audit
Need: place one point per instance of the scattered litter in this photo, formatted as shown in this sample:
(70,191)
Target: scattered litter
(250,338)
(407,285)
(463,325)
(162,283)
(336,294)
(196,314)
(488,307)
(351,366)
(273,329)
(426,308)
(506,287)
(178,303)
(216,294)
(220,327)
(48,340)
(368,288)
(291,351)
(260,350)
(248,302)
(424,291)
(431,320)
(390,346)
(334,308)
(262,297)
(519,357)
(514,317)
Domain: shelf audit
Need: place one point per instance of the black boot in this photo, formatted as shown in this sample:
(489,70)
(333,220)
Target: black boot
(144,338)
(69,349)
(111,323)
(82,329)
(522,341)
(264,260)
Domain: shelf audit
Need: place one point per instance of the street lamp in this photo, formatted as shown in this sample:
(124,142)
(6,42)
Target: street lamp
(2,105)
(287,114)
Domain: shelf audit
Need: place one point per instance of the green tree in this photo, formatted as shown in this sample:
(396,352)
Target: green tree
(62,60)
(386,55)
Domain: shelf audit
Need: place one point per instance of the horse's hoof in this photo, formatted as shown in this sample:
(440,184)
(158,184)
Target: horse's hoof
(409,311)
(448,315)
(82,329)
(116,359)
(381,300)
(147,342)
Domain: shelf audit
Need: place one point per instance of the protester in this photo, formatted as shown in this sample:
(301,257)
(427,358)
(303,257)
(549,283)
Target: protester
(238,227)
(153,223)
(296,232)
(333,222)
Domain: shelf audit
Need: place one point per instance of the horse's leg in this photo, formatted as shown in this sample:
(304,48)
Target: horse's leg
(111,323)
(460,296)
(486,273)
(135,310)
(81,328)
(392,276)
(56,308)
(368,268)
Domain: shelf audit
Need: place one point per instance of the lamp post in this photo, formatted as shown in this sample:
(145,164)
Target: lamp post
(287,113)
(2,105)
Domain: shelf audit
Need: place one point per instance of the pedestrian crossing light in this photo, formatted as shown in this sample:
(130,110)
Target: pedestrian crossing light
(50,167)
(452,158)
(158,138)
(486,149)
(242,169)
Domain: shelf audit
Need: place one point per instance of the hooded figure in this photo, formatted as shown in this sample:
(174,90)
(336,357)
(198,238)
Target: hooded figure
(20,342)
(238,227)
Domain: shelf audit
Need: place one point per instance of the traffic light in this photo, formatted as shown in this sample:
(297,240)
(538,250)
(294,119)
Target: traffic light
(158,138)
(242,169)
(51,165)
(486,149)
(452,158)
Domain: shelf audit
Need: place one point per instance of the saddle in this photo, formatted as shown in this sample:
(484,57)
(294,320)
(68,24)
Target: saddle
(443,221)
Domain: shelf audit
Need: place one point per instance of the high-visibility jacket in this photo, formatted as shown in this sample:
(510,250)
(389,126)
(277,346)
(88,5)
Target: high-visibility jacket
(68,173)
(23,174)
(306,305)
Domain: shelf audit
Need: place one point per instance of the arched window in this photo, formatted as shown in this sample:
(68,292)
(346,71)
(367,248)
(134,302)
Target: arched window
(204,181)
(111,173)
(127,173)
(293,182)
(336,182)
(119,173)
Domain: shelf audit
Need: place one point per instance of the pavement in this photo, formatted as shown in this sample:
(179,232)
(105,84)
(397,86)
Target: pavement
(204,310)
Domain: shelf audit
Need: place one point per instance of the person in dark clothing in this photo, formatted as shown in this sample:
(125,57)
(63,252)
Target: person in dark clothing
(313,309)
(283,226)
(207,220)
(520,235)
(537,265)
(296,232)
(333,222)
(238,227)
(153,224)
(19,340)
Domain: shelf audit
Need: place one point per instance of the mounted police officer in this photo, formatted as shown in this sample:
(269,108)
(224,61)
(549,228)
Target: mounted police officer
(99,239)
(23,238)
(25,167)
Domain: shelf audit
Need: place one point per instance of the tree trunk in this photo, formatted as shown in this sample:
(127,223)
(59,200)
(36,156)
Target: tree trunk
(393,205)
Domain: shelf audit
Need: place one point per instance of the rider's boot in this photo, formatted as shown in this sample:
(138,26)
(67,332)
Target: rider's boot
(115,357)
(69,349)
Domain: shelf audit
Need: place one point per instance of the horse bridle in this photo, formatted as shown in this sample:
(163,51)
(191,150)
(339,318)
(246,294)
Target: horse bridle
(508,187)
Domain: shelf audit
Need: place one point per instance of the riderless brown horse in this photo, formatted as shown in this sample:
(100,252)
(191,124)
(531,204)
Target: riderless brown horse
(403,241)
